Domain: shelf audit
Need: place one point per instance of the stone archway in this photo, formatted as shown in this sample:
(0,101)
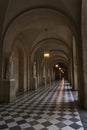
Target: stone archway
(36,19)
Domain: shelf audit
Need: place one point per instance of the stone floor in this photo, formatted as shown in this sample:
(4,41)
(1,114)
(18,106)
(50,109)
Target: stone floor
(49,108)
(83,115)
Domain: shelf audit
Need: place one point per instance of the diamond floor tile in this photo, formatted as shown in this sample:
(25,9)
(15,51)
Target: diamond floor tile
(48,108)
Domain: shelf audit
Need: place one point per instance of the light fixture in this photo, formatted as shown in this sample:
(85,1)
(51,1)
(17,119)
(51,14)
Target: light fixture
(59,68)
(46,52)
(62,71)
(56,65)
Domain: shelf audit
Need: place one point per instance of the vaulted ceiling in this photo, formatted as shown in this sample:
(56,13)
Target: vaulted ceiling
(27,20)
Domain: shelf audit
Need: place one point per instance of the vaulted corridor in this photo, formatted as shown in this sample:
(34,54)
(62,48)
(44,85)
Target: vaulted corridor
(42,42)
(51,107)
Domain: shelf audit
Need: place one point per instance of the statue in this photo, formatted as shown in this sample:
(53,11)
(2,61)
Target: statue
(9,68)
(34,69)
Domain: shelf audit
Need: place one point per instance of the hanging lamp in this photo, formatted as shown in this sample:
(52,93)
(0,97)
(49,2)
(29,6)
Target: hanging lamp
(46,52)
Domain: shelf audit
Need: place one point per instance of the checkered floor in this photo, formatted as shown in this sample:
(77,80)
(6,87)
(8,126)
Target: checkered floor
(49,108)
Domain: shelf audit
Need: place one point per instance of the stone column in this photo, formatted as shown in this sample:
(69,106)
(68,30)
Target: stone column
(8,83)
(39,71)
(52,75)
(72,74)
(33,76)
(84,45)
(80,77)
(3,9)
(46,60)
(75,84)
(30,73)
(27,67)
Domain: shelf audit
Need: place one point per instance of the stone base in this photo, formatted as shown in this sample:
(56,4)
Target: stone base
(44,81)
(8,90)
(34,83)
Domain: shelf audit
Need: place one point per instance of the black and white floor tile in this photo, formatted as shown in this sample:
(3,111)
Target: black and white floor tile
(48,108)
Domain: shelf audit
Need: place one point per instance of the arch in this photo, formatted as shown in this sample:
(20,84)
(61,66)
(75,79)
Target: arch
(29,20)
(24,21)
(59,53)
(52,44)
(18,44)
(19,63)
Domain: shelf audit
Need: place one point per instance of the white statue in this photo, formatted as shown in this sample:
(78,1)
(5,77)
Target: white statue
(9,68)
(34,69)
